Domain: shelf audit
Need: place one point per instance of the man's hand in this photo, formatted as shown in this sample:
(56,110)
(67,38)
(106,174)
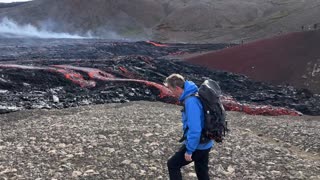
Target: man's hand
(187,157)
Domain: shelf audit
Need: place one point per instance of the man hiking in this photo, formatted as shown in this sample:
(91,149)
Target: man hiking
(193,122)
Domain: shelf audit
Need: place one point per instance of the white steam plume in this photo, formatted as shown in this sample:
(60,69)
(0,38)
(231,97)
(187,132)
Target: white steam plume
(9,28)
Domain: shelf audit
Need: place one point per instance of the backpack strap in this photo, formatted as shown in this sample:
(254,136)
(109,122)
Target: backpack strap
(203,138)
(184,110)
(185,99)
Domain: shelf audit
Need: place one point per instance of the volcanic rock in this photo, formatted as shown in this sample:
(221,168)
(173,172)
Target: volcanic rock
(123,72)
(64,144)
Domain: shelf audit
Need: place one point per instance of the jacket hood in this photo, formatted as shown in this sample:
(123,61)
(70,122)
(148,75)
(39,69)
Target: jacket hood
(189,88)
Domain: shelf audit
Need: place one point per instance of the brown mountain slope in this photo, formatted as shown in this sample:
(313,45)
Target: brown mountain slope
(172,21)
(98,16)
(234,21)
(289,59)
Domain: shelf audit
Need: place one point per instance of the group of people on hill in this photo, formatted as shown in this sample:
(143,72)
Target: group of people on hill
(314,27)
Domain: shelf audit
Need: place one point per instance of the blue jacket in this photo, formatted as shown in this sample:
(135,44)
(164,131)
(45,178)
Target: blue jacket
(193,118)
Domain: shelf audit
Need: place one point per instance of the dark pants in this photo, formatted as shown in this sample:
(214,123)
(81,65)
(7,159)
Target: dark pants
(200,158)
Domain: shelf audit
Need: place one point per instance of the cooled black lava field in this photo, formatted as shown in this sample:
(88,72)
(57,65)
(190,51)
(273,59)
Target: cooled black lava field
(61,73)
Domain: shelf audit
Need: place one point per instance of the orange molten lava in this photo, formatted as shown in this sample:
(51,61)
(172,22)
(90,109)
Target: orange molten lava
(74,77)
(101,75)
(229,103)
(157,44)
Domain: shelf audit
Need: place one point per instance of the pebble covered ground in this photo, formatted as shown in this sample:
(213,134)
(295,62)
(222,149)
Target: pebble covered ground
(134,140)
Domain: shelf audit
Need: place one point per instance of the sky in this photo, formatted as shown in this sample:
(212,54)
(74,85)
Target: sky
(9,1)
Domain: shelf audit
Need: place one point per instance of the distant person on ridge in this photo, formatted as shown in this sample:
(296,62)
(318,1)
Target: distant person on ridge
(193,122)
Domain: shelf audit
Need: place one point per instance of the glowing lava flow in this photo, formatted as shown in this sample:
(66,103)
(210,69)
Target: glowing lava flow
(101,75)
(127,73)
(229,103)
(157,44)
(68,74)
(232,105)
(92,72)
(74,77)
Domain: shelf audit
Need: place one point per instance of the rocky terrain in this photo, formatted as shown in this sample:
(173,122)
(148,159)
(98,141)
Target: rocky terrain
(134,140)
(70,73)
(213,21)
(92,107)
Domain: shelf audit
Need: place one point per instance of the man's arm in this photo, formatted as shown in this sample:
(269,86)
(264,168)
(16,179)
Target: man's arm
(193,112)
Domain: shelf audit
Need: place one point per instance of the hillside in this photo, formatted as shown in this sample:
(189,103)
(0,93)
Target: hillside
(288,59)
(170,21)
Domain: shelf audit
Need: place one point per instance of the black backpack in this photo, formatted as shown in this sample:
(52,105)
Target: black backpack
(215,124)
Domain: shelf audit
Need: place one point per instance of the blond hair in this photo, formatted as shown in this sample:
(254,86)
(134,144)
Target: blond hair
(174,80)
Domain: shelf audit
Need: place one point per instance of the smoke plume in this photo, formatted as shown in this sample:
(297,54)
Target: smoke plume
(10,28)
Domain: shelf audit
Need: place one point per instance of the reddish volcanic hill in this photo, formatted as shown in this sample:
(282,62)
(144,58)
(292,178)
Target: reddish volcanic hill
(289,59)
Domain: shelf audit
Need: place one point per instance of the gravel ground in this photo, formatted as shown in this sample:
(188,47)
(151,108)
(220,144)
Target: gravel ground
(134,140)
